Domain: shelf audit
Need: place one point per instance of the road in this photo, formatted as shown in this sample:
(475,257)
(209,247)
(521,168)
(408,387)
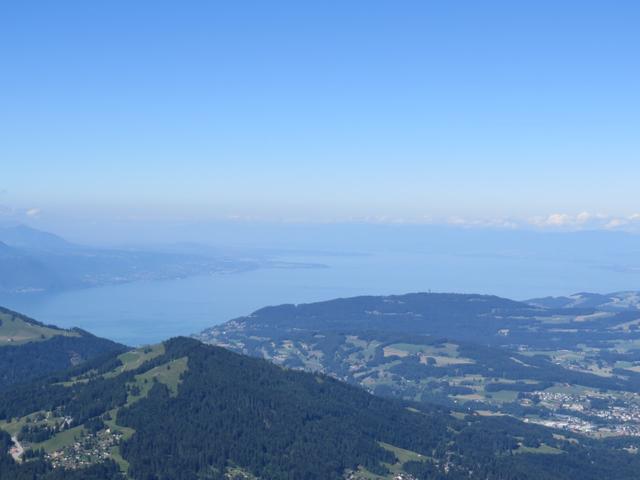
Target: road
(17,450)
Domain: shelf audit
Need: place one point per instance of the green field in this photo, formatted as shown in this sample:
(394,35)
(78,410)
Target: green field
(168,374)
(14,330)
(126,434)
(443,354)
(403,456)
(14,426)
(135,358)
(130,361)
(61,440)
(543,449)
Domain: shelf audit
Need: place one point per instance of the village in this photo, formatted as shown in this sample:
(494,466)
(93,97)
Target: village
(589,414)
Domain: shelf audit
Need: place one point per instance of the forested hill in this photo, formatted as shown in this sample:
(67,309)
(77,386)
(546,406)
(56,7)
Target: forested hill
(414,313)
(183,410)
(614,302)
(566,362)
(483,319)
(30,349)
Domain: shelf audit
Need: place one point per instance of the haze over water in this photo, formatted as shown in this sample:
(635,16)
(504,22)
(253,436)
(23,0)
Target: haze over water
(146,312)
(129,121)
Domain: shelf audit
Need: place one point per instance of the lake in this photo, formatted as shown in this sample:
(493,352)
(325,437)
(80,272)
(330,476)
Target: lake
(146,312)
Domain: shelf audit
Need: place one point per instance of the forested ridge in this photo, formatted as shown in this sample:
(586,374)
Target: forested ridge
(571,365)
(232,411)
(41,349)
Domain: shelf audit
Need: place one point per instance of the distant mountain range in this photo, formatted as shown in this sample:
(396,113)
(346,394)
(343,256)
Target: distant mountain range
(21,272)
(24,237)
(32,261)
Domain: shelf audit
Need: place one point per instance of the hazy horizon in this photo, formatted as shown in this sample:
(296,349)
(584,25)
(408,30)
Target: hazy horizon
(466,146)
(474,114)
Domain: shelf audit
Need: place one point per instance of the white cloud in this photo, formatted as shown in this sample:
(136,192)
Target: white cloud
(556,220)
(584,221)
(620,222)
(482,222)
(584,217)
(615,223)
(33,212)
(559,220)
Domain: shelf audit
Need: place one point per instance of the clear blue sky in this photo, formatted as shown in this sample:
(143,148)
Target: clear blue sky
(320,110)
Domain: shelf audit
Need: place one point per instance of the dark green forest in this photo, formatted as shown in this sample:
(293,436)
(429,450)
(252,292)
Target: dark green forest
(22,363)
(235,411)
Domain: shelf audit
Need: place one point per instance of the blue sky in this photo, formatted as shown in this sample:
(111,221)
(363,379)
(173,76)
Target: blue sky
(462,112)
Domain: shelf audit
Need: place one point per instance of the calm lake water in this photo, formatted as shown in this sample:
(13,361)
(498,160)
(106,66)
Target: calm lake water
(146,312)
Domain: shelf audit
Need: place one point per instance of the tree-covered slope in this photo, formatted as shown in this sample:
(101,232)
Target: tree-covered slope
(615,302)
(415,313)
(485,319)
(183,410)
(568,365)
(30,349)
